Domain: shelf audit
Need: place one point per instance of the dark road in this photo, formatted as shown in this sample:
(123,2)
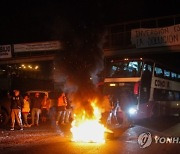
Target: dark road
(127,143)
(47,140)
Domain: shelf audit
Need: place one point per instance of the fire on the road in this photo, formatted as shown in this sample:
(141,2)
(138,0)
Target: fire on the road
(88,129)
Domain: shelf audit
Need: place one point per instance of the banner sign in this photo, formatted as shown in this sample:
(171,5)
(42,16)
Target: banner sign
(155,37)
(39,46)
(5,51)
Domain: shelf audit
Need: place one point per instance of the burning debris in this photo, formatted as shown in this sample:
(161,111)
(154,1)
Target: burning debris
(77,67)
(88,129)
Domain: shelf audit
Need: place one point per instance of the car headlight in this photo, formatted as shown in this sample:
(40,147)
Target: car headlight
(132,111)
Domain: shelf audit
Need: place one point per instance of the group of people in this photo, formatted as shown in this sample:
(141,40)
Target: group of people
(38,106)
(62,113)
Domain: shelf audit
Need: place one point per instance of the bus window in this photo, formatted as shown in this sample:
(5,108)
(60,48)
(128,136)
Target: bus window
(170,96)
(173,75)
(178,77)
(158,72)
(124,69)
(160,94)
(122,92)
(166,74)
(133,66)
(177,96)
(147,71)
(147,67)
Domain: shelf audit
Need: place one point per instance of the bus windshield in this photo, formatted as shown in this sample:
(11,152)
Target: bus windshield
(123,92)
(124,69)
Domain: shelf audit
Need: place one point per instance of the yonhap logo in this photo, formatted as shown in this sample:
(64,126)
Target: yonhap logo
(145,140)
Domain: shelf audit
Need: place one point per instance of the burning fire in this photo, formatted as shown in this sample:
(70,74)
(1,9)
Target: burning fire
(88,129)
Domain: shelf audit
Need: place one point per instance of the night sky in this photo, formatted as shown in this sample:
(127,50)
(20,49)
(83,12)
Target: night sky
(32,21)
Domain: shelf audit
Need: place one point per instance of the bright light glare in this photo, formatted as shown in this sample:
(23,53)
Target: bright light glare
(88,129)
(36,67)
(112,84)
(132,111)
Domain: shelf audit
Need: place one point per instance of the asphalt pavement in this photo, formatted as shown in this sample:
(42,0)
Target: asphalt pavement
(49,140)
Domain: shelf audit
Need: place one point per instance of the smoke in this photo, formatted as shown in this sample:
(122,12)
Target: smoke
(77,66)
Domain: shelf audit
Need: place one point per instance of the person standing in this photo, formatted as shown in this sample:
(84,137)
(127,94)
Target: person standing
(111,117)
(68,112)
(36,109)
(45,105)
(124,101)
(16,105)
(26,110)
(61,108)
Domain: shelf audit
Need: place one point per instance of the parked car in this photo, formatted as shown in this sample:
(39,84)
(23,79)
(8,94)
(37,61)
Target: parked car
(52,95)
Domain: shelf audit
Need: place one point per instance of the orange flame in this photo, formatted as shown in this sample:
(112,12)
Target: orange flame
(88,129)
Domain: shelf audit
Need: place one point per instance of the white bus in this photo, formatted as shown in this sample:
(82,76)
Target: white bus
(144,87)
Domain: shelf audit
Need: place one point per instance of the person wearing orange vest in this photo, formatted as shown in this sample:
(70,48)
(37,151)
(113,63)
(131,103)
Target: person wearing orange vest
(26,110)
(61,108)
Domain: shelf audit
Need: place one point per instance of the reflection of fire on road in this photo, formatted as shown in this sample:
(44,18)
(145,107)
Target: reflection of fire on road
(86,129)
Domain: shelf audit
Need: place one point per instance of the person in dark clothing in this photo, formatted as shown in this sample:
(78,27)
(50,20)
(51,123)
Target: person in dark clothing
(68,112)
(16,105)
(112,119)
(124,101)
(36,109)
(45,104)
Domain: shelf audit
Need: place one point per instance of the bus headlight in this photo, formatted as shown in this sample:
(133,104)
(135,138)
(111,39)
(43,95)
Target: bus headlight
(132,111)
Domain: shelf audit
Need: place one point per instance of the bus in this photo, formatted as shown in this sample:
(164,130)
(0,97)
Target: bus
(146,87)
